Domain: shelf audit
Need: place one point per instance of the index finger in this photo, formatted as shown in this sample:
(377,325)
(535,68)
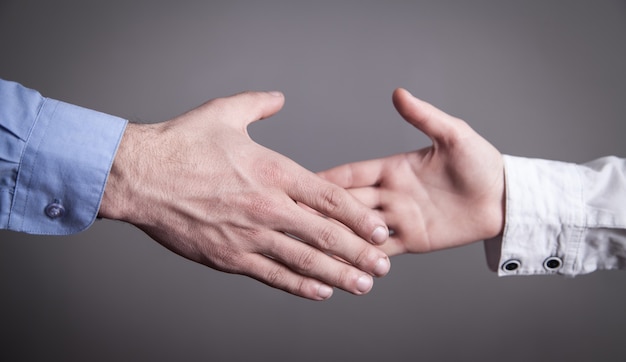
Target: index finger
(356,174)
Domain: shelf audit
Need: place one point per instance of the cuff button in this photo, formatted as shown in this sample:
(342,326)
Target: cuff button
(552,263)
(511,265)
(55,210)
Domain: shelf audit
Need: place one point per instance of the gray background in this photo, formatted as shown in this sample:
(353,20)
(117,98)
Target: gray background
(537,78)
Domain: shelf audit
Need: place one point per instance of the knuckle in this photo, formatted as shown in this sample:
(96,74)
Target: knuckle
(361,220)
(278,277)
(270,172)
(365,258)
(343,277)
(224,258)
(275,276)
(333,198)
(302,288)
(259,204)
(307,261)
(328,238)
(262,207)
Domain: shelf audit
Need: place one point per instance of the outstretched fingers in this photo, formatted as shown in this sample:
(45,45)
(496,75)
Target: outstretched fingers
(335,239)
(302,268)
(335,202)
(275,274)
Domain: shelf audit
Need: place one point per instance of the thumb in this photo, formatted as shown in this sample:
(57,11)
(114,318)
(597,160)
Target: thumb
(247,107)
(436,124)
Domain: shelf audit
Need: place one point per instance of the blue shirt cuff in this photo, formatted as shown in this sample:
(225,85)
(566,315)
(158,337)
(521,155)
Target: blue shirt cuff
(64,169)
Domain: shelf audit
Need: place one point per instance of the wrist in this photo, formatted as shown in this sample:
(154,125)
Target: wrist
(117,200)
(498,220)
(495,209)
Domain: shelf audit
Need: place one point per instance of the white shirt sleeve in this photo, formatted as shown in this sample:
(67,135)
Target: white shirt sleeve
(561,218)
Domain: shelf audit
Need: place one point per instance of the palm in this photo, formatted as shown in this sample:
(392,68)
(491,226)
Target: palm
(446,195)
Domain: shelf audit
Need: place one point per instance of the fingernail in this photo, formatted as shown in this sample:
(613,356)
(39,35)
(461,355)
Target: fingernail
(325,291)
(276,93)
(379,235)
(364,284)
(382,267)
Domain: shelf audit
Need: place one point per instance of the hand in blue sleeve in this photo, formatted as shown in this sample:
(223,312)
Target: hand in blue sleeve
(197,184)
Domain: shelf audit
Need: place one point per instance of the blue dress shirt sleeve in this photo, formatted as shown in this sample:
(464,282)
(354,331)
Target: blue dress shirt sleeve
(561,218)
(54,161)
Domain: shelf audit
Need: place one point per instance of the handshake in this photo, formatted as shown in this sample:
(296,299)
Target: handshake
(202,188)
(198,185)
